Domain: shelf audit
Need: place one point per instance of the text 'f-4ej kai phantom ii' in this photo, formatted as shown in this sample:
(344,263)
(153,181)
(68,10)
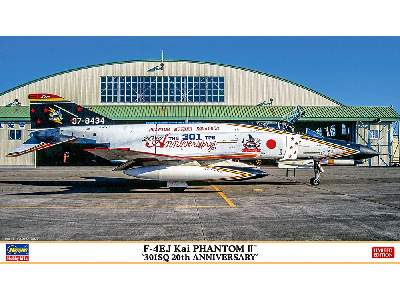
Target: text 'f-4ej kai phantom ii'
(179,153)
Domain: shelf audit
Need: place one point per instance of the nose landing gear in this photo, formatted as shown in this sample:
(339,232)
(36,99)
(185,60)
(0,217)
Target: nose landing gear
(317,171)
(314,181)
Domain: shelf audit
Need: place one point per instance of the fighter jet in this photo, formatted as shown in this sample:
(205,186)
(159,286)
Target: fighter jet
(181,153)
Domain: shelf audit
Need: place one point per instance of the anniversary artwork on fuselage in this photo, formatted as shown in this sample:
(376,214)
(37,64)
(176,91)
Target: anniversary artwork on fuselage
(174,139)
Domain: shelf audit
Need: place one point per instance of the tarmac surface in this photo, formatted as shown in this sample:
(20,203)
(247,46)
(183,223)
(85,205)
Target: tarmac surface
(95,203)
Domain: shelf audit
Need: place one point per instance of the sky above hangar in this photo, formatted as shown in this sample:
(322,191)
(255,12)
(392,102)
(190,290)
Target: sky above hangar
(352,70)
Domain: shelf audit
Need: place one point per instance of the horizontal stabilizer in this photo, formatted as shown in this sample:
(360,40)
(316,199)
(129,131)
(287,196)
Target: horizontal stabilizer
(32,145)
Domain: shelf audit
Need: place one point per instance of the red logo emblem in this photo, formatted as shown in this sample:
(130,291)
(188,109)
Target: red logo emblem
(382,252)
(271,144)
(251,145)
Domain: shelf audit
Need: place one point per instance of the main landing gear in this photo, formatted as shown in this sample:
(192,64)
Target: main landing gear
(317,171)
(176,186)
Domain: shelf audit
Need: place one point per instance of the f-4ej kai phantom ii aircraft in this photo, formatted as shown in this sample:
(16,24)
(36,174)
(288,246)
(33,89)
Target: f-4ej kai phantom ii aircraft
(178,153)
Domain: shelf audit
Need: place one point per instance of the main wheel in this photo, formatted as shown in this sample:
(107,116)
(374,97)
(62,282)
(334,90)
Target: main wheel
(177,189)
(314,181)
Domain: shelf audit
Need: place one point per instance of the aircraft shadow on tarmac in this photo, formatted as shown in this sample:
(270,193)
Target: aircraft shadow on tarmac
(120,185)
(95,185)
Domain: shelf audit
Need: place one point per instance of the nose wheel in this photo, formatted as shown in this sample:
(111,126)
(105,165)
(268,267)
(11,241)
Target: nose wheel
(317,172)
(314,181)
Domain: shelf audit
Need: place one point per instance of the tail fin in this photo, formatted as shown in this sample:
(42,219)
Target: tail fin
(51,111)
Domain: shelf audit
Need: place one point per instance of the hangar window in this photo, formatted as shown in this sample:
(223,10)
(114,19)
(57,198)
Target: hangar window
(14,134)
(344,129)
(161,89)
(374,134)
(330,131)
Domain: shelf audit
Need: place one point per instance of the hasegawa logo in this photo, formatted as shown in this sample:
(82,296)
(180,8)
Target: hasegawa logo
(17,252)
(382,252)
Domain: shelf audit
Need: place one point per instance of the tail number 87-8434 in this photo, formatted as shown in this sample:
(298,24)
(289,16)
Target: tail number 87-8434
(87,121)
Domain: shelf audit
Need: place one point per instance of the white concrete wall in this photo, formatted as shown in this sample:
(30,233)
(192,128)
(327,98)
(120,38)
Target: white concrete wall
(380,144)
(7,146)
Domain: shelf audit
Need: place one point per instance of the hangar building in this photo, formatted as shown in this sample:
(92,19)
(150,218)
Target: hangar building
(191,91)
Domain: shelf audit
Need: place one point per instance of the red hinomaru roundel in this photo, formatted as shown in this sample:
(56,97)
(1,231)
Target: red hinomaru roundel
(271,144)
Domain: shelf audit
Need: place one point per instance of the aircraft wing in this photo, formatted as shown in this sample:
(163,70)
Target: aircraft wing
(129,155)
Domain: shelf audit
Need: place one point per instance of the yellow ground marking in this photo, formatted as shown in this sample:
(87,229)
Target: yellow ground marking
(258,190)
(108,206)
(224,196)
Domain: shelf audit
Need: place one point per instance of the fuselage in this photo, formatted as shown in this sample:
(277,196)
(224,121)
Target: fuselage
(210,139)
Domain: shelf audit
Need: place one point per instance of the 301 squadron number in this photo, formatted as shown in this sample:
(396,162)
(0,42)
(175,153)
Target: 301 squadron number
(166,257)
(87,121)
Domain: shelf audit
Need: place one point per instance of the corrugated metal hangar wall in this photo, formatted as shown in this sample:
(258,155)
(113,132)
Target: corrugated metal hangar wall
(242,86)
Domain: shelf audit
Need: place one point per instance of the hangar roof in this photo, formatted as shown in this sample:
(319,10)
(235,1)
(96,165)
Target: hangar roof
(223,113)
(158,61)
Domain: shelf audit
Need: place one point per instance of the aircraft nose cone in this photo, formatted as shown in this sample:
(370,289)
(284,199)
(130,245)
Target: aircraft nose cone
(366,152)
